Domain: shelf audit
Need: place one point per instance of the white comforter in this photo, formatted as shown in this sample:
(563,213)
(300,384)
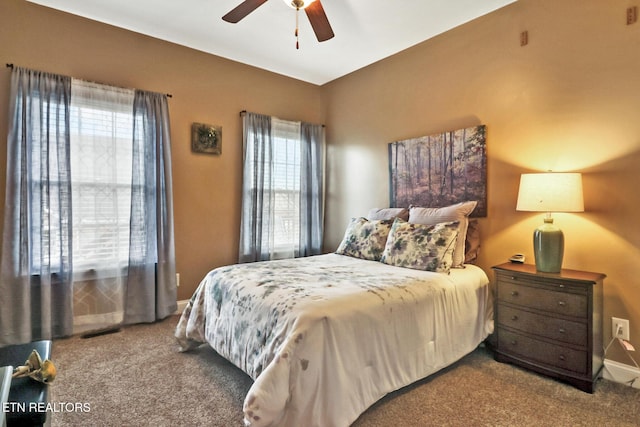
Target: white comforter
(325,337)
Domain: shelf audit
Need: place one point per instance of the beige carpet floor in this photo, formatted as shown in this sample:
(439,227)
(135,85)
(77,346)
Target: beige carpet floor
(137,377)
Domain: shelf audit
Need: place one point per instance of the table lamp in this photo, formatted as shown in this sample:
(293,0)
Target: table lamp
(549,192)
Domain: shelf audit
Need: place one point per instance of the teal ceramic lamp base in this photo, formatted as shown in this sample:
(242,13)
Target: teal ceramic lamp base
(548,247)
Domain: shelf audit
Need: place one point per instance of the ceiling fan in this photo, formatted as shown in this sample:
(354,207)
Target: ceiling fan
(313,9)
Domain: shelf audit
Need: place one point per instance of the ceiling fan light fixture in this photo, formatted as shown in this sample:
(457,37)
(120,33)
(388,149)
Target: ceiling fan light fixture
(312,8)
(298,4)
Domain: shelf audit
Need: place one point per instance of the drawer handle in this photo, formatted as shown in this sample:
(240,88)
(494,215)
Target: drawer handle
(562,330)
(514,293)
(514,318)
(514,278)
(562,357)
(562,303)
(514,342)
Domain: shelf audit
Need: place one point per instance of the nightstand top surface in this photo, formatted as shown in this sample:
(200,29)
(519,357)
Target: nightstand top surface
(566,274)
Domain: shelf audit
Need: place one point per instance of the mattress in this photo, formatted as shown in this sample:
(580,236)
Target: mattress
(325,337)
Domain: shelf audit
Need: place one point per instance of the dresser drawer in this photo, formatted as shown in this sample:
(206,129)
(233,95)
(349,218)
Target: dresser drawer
(550,327)
(550,283)
(542,352)
(564,303)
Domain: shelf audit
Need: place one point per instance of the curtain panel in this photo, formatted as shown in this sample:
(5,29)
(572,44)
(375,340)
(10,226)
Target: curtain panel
(257,197)
(101,158)
(311,189)
(283,189)
(36,269)
(151,289)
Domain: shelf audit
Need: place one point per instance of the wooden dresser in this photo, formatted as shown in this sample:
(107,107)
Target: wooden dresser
(550,323)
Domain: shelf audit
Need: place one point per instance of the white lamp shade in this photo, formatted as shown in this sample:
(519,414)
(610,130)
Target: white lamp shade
(550,192)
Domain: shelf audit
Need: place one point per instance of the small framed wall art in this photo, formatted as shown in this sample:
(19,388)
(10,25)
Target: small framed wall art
(206,138)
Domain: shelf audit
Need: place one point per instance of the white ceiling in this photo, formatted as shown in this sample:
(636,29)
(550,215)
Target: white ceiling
(366,31)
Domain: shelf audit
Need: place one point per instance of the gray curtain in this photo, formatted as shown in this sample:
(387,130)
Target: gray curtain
(311,189)
(36,268)
(151,283)
(259,192)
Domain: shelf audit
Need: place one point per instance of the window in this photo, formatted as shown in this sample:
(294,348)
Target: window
(282,189)
(101,125)
(89,235)
(286,185)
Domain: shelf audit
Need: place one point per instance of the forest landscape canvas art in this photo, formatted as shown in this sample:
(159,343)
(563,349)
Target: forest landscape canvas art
(440,170)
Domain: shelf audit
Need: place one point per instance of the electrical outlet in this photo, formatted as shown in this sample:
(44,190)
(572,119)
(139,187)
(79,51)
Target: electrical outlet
(177,280)
(620,328)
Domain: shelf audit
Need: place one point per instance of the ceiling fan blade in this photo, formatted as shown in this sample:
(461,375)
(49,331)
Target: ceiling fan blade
(319,21)
(242,10)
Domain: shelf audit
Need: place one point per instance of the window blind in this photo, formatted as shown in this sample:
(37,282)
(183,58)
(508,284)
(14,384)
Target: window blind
(101,125)
(286,185)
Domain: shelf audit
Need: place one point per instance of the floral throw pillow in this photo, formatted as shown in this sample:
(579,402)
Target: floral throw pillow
(421,247)
(458,212)
(365,239)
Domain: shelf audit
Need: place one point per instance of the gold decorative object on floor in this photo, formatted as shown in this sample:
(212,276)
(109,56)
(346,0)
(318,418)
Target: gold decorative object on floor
(34,367)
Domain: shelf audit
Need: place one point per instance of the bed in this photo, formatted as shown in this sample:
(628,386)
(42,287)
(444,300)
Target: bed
(325,337)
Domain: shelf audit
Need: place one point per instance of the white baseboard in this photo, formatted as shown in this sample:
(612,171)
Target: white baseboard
(621,373)
(181,306)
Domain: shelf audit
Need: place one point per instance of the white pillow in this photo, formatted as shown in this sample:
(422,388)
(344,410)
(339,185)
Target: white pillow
(388,213)
(459,212)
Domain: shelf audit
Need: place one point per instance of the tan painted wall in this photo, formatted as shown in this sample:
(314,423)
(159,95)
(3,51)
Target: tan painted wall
(205,89)
(568,101)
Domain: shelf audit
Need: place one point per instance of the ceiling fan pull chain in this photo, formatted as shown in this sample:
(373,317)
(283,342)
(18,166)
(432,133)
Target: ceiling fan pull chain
(297,13)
